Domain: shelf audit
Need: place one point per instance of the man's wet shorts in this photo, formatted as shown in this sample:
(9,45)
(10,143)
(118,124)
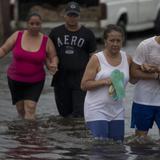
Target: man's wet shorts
(143,116)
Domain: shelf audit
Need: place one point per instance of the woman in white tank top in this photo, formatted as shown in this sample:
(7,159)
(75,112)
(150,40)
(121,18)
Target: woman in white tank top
(104,116)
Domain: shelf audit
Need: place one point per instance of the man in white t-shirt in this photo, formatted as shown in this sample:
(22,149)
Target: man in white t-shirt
(146,101)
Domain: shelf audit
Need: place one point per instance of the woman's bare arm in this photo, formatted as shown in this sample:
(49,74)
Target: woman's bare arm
(8,45)
(138,73)
(88,81)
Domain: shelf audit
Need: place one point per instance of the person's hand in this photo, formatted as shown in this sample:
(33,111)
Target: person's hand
(108,81)
(52,68)
(149,68)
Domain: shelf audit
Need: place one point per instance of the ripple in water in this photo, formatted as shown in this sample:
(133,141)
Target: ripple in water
(56,138)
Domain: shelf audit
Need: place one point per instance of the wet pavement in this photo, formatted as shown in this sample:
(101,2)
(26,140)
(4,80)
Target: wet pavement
(51,137)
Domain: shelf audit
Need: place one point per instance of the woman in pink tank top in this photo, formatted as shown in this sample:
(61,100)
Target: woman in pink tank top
(26,75)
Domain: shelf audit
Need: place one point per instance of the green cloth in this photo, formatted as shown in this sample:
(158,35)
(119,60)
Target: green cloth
(117,78)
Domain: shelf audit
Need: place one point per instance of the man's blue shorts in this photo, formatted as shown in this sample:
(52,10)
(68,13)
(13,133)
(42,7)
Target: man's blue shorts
(103,129)
(143,116)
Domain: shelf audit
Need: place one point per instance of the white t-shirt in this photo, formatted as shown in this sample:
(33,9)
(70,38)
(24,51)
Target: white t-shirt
(98,104)
(147,92)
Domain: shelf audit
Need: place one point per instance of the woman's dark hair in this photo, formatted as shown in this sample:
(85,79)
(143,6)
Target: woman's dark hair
(33,14)
(110,28)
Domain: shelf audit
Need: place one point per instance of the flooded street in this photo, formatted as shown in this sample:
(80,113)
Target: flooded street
(54,138)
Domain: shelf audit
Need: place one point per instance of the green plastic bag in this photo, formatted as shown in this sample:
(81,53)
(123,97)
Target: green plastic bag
(117,78)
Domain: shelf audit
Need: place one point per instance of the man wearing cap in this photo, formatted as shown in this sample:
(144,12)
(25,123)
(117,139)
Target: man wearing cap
(74,44)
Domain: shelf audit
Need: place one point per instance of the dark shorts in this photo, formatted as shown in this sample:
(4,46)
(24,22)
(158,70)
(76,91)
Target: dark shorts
(25,91)
(107,129)
(143,116)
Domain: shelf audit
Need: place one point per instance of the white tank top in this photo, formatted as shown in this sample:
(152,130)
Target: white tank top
(98,104)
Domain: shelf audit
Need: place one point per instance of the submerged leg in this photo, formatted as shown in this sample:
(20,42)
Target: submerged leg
(20,108)
(30,109)
(99,129)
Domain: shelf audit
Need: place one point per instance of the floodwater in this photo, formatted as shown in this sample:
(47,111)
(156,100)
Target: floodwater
(51,137)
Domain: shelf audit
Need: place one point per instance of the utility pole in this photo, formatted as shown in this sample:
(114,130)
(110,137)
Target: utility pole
(5,28)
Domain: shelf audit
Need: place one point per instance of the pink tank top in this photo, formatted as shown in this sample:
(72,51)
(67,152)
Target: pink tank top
(27,66)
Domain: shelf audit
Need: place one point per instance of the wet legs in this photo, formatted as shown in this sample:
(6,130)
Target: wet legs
(26,109)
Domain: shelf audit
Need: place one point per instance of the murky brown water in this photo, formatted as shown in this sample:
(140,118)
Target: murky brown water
(54,138)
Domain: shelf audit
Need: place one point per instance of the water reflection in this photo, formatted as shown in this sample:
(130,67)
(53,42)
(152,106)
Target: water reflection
(30,141)
(107,151)
(143,152)
(55,138)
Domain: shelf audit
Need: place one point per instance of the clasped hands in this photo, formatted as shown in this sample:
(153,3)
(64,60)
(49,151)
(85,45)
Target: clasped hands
(150,68)
(52,68)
